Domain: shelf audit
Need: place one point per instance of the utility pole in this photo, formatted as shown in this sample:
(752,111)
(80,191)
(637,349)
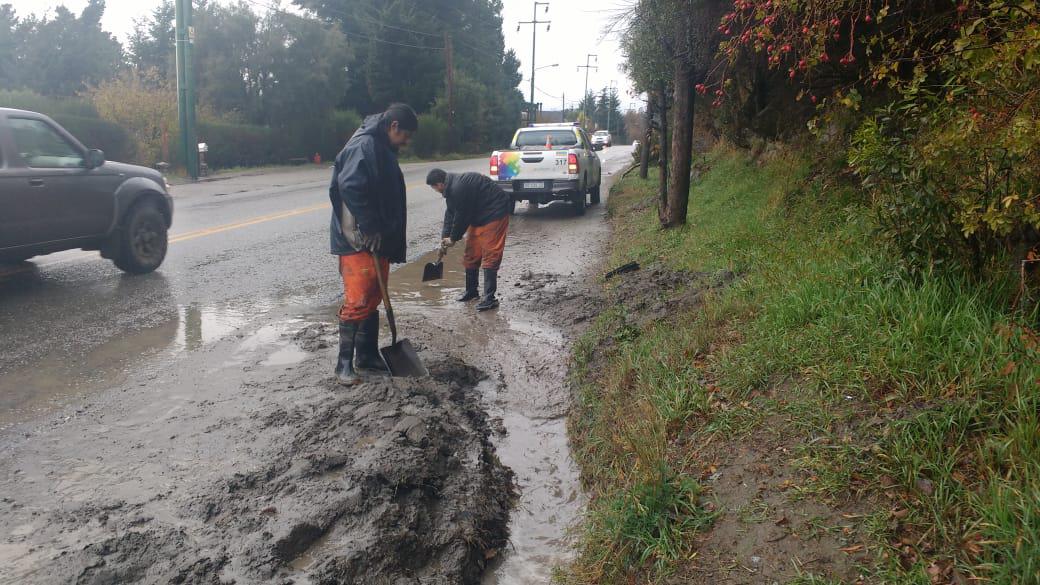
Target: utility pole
(563,108)
(185,35)
(586,67)
(449,68)
(534,22)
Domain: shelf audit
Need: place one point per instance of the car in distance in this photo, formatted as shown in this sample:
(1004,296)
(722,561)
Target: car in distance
(547,162)
(56,194)
(602,139)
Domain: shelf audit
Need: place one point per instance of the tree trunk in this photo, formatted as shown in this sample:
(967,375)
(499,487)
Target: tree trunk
(662,158)
(682,146)
(644,147)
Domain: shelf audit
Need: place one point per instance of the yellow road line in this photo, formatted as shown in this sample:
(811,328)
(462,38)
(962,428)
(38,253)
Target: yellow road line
(246,223)
(83,256)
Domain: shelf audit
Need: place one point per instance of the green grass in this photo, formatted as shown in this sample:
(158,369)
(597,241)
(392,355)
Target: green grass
(917,394)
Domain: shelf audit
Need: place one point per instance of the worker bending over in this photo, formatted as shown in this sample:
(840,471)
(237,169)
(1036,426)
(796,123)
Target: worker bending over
(478,208)
(369,213)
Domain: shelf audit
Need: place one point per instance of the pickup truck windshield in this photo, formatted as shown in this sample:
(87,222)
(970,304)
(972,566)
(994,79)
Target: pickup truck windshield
(539,138)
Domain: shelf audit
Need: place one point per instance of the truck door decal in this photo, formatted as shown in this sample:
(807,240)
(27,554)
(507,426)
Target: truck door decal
(508,165)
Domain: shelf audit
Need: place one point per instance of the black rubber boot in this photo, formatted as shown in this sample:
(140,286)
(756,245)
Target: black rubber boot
(345,373)
(472,276)
(490,287)
(366,356)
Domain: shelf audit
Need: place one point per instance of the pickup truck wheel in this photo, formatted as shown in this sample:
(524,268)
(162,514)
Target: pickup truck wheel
(578,200)
(141,240)
(594,194)
(512,206)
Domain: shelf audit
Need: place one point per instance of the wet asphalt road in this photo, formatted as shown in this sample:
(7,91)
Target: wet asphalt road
(146,392)
(241,247)
(242,250)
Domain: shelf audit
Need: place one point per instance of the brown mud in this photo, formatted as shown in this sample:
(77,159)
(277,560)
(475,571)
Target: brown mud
(240,461)
(401,474)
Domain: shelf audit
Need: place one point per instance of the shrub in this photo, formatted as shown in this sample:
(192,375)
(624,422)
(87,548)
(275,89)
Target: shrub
(50,106)
(145,106)
(97,133)
(240,145)
(433,136)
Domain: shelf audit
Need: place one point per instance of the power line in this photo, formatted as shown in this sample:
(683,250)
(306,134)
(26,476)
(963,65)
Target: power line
(547,94)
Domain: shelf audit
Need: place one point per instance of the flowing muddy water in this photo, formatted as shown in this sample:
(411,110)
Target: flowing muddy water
(527,397)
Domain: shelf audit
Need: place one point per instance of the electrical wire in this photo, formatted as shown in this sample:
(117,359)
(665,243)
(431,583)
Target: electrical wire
(546,94)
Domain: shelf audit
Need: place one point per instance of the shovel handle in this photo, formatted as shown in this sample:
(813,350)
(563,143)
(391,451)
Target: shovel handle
(386,298)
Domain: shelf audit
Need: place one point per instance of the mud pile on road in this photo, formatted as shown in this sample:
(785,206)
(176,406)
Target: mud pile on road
(647,293)
(393,482)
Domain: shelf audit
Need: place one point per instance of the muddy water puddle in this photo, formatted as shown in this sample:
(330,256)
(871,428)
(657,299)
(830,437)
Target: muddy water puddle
(58,379)
(525,395)
(526,359)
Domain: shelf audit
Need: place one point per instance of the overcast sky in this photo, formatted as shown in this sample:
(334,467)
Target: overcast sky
(577,29)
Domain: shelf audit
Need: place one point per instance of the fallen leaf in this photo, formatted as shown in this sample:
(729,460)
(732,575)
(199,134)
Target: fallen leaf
(851,549)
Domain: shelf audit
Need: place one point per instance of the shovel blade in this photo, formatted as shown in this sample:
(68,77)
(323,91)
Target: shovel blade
(403,361)
(433,271)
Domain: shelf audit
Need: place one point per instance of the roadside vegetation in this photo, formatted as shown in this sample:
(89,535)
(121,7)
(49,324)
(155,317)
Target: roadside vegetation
(860,402)
(910,398)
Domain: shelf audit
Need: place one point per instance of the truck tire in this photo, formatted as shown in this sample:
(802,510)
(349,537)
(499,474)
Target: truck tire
(594,193)
(578,201)
(512,206)
(141,240)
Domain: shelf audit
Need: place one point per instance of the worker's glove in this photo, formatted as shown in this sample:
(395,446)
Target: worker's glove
(447,243)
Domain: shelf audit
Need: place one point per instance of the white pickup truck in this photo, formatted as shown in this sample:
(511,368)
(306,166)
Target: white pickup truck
(549,162)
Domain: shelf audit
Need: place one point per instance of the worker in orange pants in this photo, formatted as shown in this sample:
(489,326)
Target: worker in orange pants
(369,214)
(478,208)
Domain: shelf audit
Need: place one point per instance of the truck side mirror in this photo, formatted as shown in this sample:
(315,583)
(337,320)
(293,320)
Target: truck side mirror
(95,158)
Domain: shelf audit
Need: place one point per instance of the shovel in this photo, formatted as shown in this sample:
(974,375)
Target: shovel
(434,270)
(401,358)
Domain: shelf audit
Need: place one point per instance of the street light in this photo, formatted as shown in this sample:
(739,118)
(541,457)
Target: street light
(540,68)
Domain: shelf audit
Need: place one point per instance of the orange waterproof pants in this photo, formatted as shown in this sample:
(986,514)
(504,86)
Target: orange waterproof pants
(361,294)
(485,245)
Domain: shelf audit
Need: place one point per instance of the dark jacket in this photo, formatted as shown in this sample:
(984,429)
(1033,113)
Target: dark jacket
(473,200)
(369,204)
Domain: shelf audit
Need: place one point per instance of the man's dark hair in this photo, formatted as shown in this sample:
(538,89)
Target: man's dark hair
(404,115)
(436,176)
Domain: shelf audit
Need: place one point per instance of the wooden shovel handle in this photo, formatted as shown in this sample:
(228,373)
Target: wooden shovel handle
(386,299)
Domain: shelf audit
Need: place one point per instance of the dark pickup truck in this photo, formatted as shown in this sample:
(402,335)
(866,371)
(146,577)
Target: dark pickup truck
(55,194)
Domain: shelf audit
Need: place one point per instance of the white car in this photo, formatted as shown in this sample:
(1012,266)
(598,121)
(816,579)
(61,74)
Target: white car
(549,162)
(602,139)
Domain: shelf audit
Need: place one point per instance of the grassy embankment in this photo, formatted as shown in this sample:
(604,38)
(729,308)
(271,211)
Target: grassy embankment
(913,401)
